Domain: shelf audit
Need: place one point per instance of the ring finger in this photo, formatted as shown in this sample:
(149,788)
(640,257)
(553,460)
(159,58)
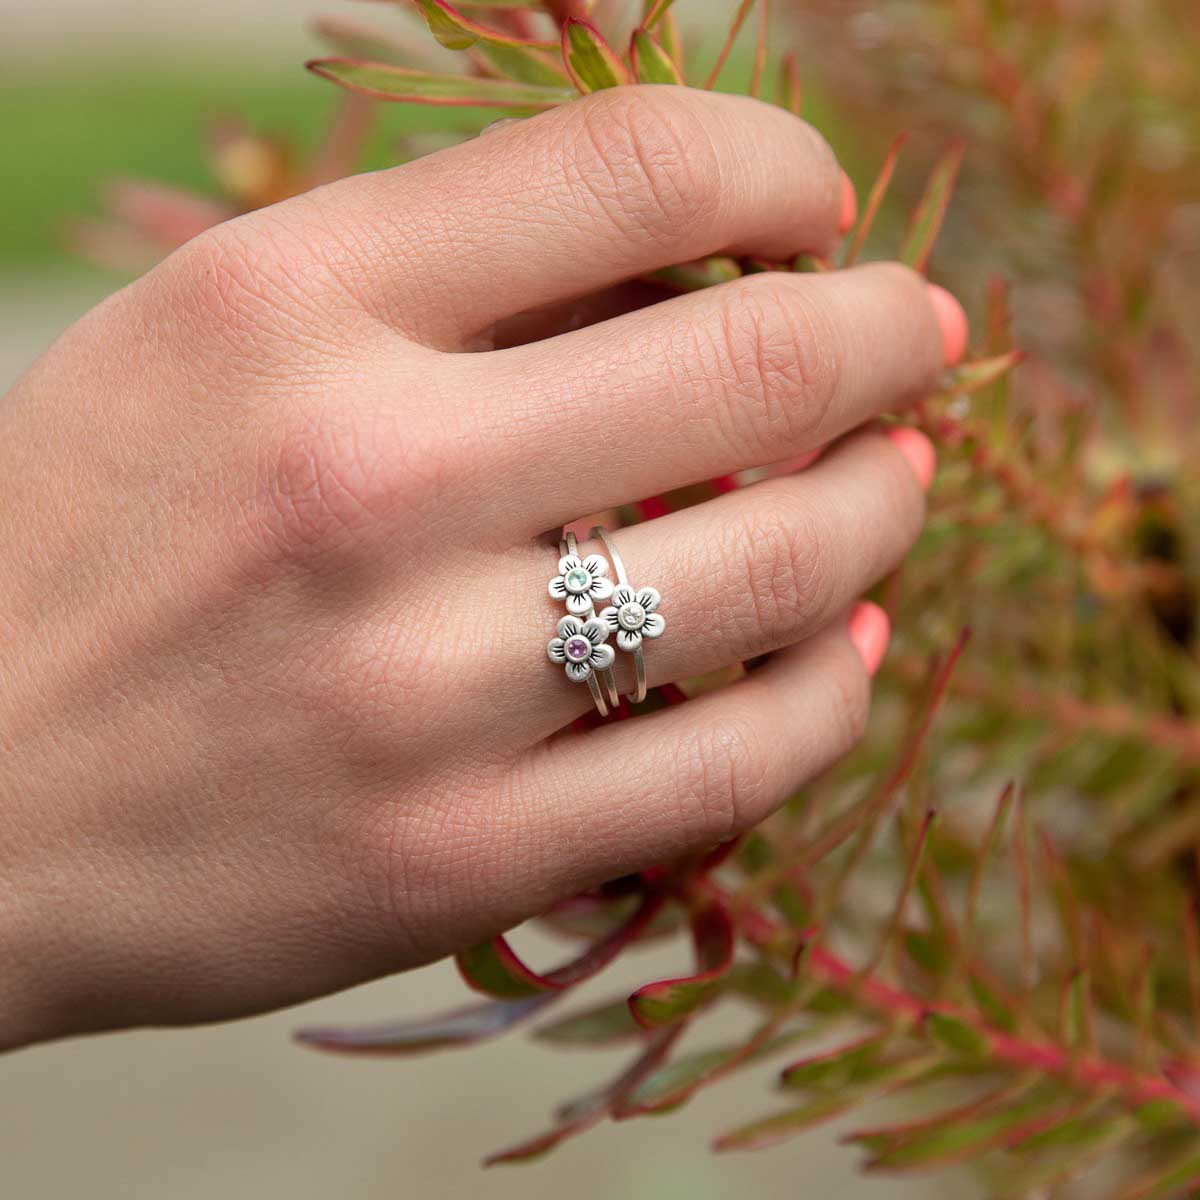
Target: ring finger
(740,576)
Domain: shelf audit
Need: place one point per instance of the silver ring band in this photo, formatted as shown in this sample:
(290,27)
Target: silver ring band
(634,618)
(569,544)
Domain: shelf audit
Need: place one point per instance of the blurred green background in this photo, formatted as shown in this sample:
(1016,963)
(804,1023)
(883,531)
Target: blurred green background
(90,91)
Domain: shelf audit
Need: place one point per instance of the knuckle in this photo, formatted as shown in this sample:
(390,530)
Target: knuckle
(327,478)
(261,288)
(778,355)
(722,778)
(646,158)
(236,275)
(781,553)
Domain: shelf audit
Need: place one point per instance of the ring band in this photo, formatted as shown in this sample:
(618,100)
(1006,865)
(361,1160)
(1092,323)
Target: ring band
(581,646)
(569,545)
(632,616)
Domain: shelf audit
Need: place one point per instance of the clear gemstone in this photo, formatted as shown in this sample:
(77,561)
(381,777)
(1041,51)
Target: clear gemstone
(578,648)
(578,581)
(631,616)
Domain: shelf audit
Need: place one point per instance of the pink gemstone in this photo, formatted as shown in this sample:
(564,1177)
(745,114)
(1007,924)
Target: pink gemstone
(578,648)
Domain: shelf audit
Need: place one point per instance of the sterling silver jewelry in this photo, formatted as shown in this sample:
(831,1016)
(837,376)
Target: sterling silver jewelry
(632,616)
(580,645)
(580,582)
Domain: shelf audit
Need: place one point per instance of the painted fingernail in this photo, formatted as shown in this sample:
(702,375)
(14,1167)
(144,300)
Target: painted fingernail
(870,631)
(849,213)
(952,321)
(918,449)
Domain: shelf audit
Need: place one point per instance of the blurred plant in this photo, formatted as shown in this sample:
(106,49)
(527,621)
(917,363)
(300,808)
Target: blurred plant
(990,909)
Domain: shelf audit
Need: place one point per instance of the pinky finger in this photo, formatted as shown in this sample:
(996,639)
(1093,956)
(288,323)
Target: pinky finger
(625,796)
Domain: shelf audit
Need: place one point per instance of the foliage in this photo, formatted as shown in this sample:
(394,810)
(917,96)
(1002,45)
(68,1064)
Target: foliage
(995,898)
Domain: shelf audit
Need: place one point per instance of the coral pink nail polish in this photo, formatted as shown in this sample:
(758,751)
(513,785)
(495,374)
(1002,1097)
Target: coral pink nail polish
(918,449)
(849,213)
(952,321)
(870,631)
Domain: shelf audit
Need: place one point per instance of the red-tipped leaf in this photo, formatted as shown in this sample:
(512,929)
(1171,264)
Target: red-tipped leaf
(591,62)
(670,1000)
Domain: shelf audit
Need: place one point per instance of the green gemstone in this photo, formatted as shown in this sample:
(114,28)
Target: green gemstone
(578,580)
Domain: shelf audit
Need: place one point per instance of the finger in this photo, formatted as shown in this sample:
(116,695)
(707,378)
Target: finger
(739,576)
(626,795)
(623,182)
(741,375)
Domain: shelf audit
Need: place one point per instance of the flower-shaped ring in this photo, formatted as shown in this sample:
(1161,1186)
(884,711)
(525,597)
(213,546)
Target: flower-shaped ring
(581,582)
(581,646)
(633,616)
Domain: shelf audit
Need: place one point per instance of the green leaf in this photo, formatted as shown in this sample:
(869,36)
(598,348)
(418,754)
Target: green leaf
(387,82)
(760,982)
(456,31)
(927,950)
(956,1035)
(672,1085)
(603,1025)
(772,1130)
(590,60)
(931,211)
(653,11)
(492,968)
(462,1027)
(704,273)
(990,1004)
(1168,1180)
(651,63)
(837,1068)
(670,1000)
(787,88)
(352,40)
(958,1139)
(974,376)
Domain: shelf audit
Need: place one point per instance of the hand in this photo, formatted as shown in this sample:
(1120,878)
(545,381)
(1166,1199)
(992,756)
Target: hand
(275,708)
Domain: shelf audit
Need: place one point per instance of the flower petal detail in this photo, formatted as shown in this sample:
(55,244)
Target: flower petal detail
(569,627)
(569,562)
(612,618)
(649,599)
(577,672)
(622,595)
(557,649)
(655,625)
(602,657)
(579,605)
(596,564)
(558,588)
(629,640)
(595,631)
(601,588)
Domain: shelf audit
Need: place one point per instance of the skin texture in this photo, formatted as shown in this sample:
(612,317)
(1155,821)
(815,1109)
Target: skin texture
(275,710)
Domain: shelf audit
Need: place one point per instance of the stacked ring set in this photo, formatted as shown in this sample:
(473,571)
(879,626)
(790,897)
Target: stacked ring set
(582,642)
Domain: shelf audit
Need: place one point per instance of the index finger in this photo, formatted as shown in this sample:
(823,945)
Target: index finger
(620,183)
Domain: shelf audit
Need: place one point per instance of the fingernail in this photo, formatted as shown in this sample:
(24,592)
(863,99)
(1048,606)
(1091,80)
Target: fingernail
(918,449)
(870,631)
(952,321)
(849,213)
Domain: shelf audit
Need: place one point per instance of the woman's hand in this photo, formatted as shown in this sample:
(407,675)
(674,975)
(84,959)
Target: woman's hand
(275,709)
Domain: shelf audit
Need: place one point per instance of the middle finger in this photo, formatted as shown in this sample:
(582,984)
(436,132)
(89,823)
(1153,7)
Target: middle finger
(741,375)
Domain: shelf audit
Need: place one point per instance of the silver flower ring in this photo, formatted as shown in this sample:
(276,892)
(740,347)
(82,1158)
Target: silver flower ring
(580,645)
(633,615)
